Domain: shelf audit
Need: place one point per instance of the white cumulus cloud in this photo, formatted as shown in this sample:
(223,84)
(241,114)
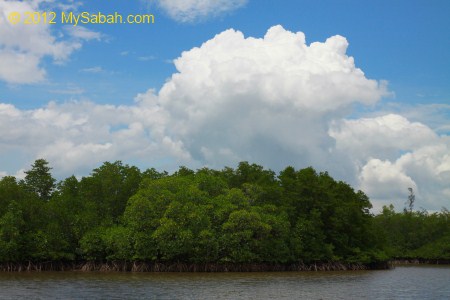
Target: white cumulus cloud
(248,98)
(275,100)
(77,136)
(385,182)
(23,47)
(394,154)
(269,100)
(384,137)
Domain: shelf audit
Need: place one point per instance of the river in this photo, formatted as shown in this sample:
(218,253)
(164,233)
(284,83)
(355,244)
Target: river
(411,282)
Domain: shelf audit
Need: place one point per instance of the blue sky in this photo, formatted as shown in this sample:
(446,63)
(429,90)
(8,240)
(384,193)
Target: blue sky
(404,42)
(108,92)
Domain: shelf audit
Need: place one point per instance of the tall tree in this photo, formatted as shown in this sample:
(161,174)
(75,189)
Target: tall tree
(411,199)
(39,180)
(109,188)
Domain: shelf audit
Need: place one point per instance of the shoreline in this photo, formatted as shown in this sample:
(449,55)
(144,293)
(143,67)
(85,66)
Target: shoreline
(143,267)
(419,261)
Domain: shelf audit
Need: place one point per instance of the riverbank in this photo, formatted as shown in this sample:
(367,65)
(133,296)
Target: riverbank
(420,261)
(185,267)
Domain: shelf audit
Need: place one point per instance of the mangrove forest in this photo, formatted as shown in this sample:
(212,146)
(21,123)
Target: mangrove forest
(243,218)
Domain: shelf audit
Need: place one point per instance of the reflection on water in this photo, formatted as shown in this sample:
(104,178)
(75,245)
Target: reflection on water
(423,282)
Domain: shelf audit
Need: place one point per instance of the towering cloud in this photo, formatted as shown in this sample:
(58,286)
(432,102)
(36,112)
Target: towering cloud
(268,100)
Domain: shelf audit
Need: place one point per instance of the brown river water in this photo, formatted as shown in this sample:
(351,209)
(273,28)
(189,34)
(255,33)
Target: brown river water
(408,282)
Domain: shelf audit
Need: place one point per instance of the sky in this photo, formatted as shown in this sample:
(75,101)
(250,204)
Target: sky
(359,89)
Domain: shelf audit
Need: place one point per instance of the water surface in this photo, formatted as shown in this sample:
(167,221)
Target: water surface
(416,282)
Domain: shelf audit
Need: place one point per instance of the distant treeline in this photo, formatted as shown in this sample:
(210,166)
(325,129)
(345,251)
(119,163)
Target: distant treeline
(415,236)
(230,217)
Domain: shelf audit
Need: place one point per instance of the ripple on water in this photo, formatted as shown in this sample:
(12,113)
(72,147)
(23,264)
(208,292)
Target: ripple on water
(424,282)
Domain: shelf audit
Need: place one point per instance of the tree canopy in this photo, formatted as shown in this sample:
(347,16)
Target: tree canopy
(243,215)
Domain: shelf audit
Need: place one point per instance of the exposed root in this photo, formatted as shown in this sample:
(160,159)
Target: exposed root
(120,266)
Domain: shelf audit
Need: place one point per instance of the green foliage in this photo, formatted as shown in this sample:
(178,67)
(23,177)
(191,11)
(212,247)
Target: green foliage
(243,215)
(109,188)
(39,179)
(153,174)
(93,246)
(10,191)
(11,229)
(118,244)
(309,240)
(411,235)
(274,247)
(242,235)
